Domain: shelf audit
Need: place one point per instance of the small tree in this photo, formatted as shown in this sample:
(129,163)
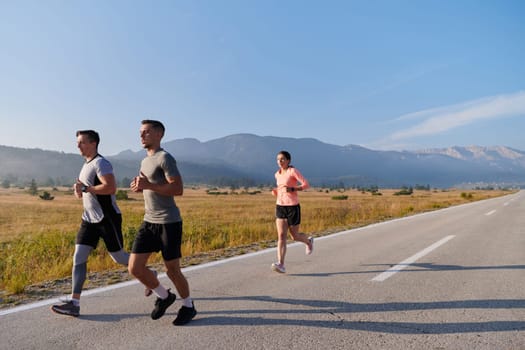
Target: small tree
(33,188)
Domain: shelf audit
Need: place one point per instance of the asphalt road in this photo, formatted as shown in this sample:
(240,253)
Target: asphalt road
(449,279)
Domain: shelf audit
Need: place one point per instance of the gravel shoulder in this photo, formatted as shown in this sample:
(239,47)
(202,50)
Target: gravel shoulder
(61,287)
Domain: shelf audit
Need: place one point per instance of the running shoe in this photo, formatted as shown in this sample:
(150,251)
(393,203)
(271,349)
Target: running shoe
(278,268)
(310,246)
(147,291)
(186,314)
(161,305)
(68,308)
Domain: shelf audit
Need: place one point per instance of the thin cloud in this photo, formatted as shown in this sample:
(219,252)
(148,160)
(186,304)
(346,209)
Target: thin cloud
(392,84)
(442,119)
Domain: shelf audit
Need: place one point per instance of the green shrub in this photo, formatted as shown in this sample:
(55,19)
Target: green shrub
(216,193)
(466,195)
(404,192)
(340,197)
(122,195)
(46,196)
(407,210)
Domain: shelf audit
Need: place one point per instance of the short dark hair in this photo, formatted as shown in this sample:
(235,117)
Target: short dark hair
(155,124)
(286,155)
(92,135)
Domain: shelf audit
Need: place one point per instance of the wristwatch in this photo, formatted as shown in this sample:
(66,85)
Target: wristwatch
(84,188)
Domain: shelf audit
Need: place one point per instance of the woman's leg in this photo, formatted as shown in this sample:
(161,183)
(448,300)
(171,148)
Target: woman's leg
(282,231)
(298,236)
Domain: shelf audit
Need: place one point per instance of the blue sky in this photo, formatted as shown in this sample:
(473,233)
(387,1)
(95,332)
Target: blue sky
(389,75)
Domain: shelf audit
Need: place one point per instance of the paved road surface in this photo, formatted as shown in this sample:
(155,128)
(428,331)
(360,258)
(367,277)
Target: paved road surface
(450,279)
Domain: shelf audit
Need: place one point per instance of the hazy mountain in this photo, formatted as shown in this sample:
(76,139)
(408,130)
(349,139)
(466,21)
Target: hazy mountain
(19,165)
(324,163)
(251,158)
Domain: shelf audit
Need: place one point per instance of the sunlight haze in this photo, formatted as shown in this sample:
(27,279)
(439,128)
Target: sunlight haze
(387,75)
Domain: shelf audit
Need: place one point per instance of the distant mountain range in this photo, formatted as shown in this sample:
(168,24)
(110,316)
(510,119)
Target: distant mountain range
(246,159)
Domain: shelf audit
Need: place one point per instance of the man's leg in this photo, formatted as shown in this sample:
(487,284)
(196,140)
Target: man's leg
(179,280)
(187,312)
(137,267)
(79,273)
(120,257)
(111,233)
(80,259)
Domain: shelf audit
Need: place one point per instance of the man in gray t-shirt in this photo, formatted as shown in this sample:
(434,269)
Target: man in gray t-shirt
(157,168)
(161,230)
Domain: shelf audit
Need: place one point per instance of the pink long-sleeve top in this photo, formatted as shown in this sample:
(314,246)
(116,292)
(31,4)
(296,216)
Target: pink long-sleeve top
(290,177)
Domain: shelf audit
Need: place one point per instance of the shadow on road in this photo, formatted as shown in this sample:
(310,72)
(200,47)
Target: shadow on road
(109,317)
(333,315)
(418,267)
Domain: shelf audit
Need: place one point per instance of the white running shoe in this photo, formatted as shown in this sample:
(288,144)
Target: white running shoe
(310,246)
(278,268)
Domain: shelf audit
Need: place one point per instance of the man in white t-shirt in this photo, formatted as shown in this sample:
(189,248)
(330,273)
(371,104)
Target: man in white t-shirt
(101,218)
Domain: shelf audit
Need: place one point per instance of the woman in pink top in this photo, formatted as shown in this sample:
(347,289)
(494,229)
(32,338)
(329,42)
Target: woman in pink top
(288,211)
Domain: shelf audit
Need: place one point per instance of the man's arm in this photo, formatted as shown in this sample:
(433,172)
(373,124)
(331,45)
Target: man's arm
(108,185)
(173,187)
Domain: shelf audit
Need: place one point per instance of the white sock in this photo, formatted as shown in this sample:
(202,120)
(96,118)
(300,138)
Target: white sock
(161,292)
(187,302)
(76,302)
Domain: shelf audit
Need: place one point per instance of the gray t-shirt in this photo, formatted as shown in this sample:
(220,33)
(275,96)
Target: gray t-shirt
(160,209)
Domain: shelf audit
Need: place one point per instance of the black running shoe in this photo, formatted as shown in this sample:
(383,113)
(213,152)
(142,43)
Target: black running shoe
(186,314)
(68,308)
(161,305)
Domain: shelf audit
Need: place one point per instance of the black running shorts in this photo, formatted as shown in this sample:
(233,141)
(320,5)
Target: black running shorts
(166,238)
(109,229)
(291,213)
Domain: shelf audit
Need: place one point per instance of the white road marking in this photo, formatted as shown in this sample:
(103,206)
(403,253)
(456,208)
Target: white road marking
(393,270)
(490,212)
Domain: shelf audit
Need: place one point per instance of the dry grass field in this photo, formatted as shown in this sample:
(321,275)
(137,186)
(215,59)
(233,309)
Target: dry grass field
(37,236)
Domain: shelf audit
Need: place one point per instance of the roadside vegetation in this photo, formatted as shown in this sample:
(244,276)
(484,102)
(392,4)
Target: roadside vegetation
(37,236)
